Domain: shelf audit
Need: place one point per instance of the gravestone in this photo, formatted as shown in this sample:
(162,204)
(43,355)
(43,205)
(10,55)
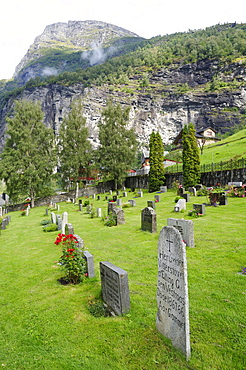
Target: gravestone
(180,190)
(111,207)
(117,192)
(115,290)
(46,212)
(99,212)
(140,194)
(4,224)
(99,197)
(151,203)
(110,192)
(238,184)
(80,244)
(192,190)
(90,264)
(106,198)
(199,208)
(180,205)
(172,318)
(186,196)
(186,229)
(132,202)
(119,202)
(120,217)
(58,207)
(114,198)
(163,189)
(80,207)
(1,211)
(93,196)
(148,220)
(64,221)
(69,229)
(80,201)
(124,194)
(157,198)
(27,210)
(223,200)
(59,222)
(53,217)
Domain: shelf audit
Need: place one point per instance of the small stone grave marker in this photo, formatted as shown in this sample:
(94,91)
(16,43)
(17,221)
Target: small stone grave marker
(46,212)
(64,221)
(111,206)
(99,212)
(172,290)
(90,264)
(132,202)
(120,217)
(199,208)
(4,223)
(140,194)
(99,197)
(1,211)
(163,189)
(157,197)
(124,194)
(180,205)
(53,217)
(115,290)
(119,202)
(114,198)
(69,229)
(186,229)
(148,218)
(80,207)
(80,244)
(151,203)
(186,196)
(223,200)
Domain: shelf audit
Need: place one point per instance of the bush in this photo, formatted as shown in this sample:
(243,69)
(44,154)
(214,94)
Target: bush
(49,228)
(110,220)
(45,222)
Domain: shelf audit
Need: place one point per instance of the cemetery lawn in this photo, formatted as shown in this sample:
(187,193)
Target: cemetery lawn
(46,325)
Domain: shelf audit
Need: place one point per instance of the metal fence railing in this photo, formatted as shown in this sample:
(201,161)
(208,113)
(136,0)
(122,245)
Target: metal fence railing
(219,166)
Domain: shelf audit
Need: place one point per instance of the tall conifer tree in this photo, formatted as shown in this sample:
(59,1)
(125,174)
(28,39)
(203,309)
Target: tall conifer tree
(190,157)
(156,159)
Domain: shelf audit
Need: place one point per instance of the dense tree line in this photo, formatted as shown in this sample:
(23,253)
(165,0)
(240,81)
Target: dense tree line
(30,156)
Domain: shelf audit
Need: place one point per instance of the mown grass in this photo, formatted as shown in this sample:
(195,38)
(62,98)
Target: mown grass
(233,147)
(46,325)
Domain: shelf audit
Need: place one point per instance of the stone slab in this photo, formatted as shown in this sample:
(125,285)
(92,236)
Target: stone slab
(186,229)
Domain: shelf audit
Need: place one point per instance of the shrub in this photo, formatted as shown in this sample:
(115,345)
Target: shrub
(49,228)
(72,260)
(110,220)
(45,222)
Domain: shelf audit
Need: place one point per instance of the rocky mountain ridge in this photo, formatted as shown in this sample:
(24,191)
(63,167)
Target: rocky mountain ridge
(66,38)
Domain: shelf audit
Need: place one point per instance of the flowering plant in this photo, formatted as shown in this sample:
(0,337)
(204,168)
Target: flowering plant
(72,260)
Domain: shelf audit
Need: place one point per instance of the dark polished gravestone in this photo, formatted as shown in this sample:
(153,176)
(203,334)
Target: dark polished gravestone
(115,289)
(172,318)
(148,220)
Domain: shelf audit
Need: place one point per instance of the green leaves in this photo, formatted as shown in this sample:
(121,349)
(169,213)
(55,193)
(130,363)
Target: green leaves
(28,158)
(156,159)
(118,143)
(190,157)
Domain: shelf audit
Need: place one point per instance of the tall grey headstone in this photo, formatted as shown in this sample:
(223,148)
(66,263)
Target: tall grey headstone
(172,318)
(115,289)
(151,203)
(90,264)
(186,229)
(46,212)
(111,207)
(80,244)
(99,212)
(148,220)
(69,229)
(119,202)
(59,222)
(64,221)
(53,217)
(120,217)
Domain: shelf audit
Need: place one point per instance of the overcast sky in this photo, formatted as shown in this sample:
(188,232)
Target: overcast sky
(22,20)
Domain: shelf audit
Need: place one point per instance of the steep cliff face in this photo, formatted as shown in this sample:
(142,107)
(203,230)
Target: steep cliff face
(168,115)
(50,54)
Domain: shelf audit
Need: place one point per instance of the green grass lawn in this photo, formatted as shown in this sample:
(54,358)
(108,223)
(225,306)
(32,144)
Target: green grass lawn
(46,325)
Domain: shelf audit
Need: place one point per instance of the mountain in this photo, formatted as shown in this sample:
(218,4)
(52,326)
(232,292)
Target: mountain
(196,76)
(67,46)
